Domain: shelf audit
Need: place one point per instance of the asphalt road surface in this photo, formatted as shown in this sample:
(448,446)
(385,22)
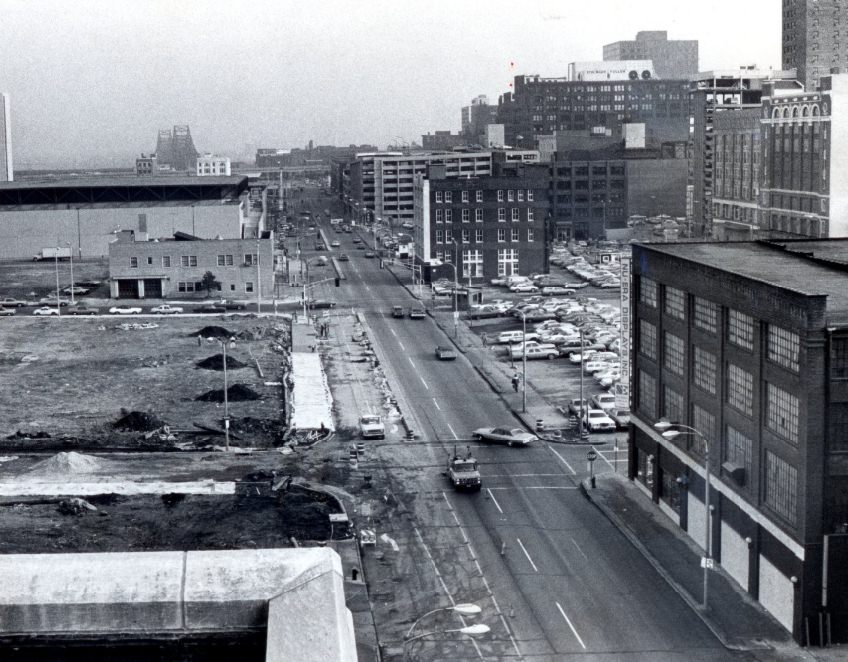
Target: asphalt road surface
(568,584)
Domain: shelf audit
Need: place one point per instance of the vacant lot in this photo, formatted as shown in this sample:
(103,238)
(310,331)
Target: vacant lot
(77,376)
(30,280)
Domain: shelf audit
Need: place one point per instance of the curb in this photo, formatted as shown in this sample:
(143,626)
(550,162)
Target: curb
(628,533)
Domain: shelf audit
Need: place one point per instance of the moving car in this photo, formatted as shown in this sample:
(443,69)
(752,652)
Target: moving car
(370,254)
(45,310)
(445,353)
(10,302)
(335,243)
(166,309)
(51,301)
(510,437)
(6,312)
(125,310)
(83,310)
(371,427)
(598,421)
(398,312)
(211,308)
(605,401)
(344,257)
(417,313)
(320,303)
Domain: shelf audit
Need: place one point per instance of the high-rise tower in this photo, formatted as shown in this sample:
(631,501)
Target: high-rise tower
(811,39)
(7,172)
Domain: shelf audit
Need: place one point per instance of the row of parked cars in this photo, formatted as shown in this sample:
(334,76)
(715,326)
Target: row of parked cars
(49,308)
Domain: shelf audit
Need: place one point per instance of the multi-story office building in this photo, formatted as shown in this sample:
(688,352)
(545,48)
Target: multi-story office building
(443,140)
(673,59)
(147,165)
(710,94)
(814,38)
(476,116)
(211,165)
(380,184)
(141,268)
(487,226)
(541,106)
(747,343)
(7,171)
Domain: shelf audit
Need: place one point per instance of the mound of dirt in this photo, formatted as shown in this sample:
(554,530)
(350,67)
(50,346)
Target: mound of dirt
(213,332)
(138,421)
(236,393)
(63,464)
(216,362)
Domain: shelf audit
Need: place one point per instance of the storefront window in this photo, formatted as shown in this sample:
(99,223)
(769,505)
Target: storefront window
(670,491)
(645,468)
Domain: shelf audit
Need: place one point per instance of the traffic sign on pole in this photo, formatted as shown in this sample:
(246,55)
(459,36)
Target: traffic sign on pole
(591,456)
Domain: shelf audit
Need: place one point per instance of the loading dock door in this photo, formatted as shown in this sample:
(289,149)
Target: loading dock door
(128,289)
(152,288)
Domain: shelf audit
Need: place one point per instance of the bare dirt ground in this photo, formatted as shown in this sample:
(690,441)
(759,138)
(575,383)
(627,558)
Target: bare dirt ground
(77,377)
(25,279)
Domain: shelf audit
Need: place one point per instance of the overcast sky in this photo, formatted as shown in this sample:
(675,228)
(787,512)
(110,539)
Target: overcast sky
(92,81)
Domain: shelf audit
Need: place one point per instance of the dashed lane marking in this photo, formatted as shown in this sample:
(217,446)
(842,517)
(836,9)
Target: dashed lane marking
(494,500)
(567,620)
(524,549)
(579,550)
(452,432)
(436,402)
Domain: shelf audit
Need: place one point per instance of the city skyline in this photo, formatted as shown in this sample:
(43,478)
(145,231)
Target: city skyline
(287,73)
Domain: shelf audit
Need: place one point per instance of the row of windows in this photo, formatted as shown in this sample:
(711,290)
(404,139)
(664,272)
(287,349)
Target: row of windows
(198,286)
(446,215)
(250,259)
(465,196)
(446,236)
(783,346)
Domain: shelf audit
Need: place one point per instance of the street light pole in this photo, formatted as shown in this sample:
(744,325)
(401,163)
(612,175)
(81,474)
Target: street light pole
(71,253)
(58,300)
(524,362)
(226,397)
(707,562)
(258,278)
(583,433)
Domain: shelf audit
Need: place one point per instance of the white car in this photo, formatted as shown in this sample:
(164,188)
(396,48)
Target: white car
(597,420)
(523,287)
(538,353)
(166,309)
(517,350)
(125,310)
(45,311)
(605,401)
(592,366)
(579,357)
(371,427)
(514,336)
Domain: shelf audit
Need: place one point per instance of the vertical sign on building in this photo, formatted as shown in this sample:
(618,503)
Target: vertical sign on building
(622,388)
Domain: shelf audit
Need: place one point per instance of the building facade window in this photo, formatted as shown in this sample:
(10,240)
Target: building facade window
(440,216)
(514,236)
(520,195)
(478,215)
(675,303)
(133,263)
(648,291)
(479,196)
(510,196)
(166,261)
(672,405)
(466,215)
(448,215)
(501,234)
(501,215)
(448,236)
(706,315)
(466,236)
(448,197)
(531,236)
(740,389)
(674,353)
(248,286)
(529,195)
(783,347)
(251,259)
(188,260)
(185,287)
(465,197)
(705,423)
(781,493)
(704,370)
(782,413)
(531,214)
(500,196)
(839,358)
(440,236)
(647,395)
(439,197)
(739,449)
(515,214)
(478,235)
(647,339)
(225,260)
(507,262)
(740,329)
(472,263)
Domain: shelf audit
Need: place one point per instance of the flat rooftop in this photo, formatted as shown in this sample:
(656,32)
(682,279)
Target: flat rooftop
(807,267)
(132,181)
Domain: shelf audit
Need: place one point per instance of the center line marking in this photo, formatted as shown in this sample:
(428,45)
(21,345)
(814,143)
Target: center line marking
(579,640)
(423,382)
(452,432)
(410,360)
(563,461)
(579,550)
(523,549)
(393,332)
(401,345)
(435,402)
(492,497)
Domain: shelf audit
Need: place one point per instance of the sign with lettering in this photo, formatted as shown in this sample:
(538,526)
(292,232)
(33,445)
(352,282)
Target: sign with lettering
(622,388)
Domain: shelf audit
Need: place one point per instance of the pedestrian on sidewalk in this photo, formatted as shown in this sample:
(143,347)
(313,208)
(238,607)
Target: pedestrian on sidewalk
(516,380)
(484,338)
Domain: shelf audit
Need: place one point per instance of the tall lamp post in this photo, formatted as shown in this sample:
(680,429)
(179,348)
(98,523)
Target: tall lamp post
(462,608)
(58,291)
(71,253)
(524,362)
(232,344)
(671,431)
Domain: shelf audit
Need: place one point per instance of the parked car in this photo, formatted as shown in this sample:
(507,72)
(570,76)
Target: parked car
(574,406)
(10,302)
(621,417)
(211,308)
(444,353)
(592,365)
(539,353)
(523,287)
(45,310)
(166,309)
(6,312)
(510,437)
(398,312)
(343,257)
(335,243)
(51,301)
(605,401)
(417,313)
(314,304)
(371,427)
(125,310)
(370,254)
(77,290)
(598,421)
(83,310)
(551,290)
(485,312)
(514,336)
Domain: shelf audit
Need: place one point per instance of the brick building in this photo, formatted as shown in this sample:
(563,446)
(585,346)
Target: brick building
(672,58)
(142,268)
(811,38)
(488,226)
(747,343)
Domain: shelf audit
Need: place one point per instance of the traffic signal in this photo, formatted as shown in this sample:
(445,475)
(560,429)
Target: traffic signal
(338,281)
